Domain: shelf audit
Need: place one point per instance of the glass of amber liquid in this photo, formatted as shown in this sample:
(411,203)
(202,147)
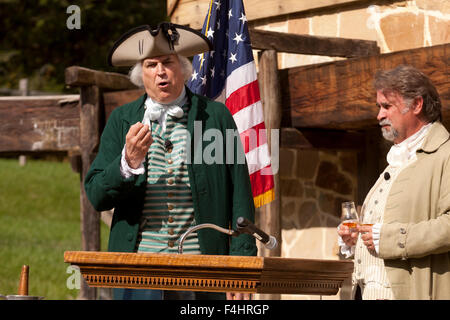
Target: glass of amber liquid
(363,219)
(349,216)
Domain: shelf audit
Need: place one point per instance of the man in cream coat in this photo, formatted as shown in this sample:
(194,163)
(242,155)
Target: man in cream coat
(404,250)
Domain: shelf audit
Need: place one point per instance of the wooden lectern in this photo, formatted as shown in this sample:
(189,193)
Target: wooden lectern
(210,272)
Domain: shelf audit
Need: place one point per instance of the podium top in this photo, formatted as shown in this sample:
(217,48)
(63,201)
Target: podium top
(211,272)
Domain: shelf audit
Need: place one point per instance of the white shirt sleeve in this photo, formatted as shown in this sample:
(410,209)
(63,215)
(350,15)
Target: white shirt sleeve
(346,251)
(376,230)
(125,170)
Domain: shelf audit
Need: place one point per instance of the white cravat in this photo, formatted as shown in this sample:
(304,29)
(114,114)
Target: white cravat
(401,153)
(159,111)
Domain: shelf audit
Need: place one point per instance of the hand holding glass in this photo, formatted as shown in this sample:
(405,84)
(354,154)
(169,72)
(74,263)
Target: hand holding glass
(349,216)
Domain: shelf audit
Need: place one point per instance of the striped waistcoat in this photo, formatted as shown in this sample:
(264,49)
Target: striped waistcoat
(369,270)
(168,209)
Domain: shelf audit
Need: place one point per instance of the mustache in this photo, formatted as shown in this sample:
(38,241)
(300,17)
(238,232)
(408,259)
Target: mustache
(385,122)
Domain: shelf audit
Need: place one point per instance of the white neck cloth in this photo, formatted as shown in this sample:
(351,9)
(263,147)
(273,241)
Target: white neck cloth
(158,111)
(401,153)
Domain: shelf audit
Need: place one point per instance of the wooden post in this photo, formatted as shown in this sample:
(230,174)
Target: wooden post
(270,214)
(90,100)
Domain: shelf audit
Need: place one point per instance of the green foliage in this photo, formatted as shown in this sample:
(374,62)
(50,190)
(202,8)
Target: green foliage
(37,44)
(39,220)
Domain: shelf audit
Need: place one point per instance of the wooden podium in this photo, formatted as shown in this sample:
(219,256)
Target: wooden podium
(210,272)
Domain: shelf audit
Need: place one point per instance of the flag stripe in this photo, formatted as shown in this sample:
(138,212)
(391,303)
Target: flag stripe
(242,76)
(243,97)
(258,158)
(261,183)
(249,117)
(254,137)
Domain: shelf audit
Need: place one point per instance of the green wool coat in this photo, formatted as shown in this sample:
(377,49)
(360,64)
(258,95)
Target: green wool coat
(221,192)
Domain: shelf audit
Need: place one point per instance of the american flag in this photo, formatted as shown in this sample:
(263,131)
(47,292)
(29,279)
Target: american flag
(228,74)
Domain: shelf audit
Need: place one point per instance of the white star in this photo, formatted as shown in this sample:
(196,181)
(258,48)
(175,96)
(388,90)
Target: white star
(229,14)
(211,53)
(213,70)
(243,18)
(217,5)
(238,38)
(218,25)
(203,80)
(233,58)
(194,75)
(210,33)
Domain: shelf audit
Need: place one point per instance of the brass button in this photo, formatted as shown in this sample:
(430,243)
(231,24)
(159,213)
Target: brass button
(170,207)
(170,195)
(171,243)
(170,219)
(170,181)
(169,161)
(171,232)
(169,150)
(170,171)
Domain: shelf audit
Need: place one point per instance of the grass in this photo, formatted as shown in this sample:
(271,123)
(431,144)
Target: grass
(39,220)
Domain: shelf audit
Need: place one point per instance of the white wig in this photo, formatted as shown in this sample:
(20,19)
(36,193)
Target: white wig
(135,73)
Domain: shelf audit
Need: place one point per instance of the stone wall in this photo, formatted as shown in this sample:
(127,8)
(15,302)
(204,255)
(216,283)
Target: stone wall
(314,183)
(398,26)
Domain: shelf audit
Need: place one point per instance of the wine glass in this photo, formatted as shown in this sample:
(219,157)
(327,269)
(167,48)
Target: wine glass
(364,218)
(349,216)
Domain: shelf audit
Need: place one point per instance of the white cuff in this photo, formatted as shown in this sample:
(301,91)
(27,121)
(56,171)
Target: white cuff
(346,250)
(125,170)
(376,230)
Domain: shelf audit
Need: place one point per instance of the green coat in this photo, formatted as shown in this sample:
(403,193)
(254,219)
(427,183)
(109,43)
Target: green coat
(221,192)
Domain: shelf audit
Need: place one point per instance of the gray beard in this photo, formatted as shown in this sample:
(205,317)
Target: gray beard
(389,135)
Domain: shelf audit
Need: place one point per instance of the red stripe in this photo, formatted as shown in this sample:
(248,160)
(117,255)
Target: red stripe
(261,183)
(243,97)
(254,137)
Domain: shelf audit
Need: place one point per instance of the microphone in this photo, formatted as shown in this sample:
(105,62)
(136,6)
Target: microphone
(387,176)
(245,226)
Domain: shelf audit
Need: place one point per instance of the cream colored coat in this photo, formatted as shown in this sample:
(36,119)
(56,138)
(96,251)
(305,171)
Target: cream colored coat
(415,235)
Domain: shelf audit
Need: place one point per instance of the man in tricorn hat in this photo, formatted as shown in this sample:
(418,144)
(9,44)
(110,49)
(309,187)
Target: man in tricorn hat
(144,168)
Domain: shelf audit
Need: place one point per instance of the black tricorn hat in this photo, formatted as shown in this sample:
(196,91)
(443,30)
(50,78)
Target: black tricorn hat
(147,42)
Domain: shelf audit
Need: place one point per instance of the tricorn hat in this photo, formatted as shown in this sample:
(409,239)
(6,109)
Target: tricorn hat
(147,42)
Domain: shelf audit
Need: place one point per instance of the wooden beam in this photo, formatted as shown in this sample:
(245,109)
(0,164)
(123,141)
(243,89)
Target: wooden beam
(270,214)
(171,6)
(79,77)
(39,124)
(340,95)
(321,139)
(116,99)
(312,45)
(193,12)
